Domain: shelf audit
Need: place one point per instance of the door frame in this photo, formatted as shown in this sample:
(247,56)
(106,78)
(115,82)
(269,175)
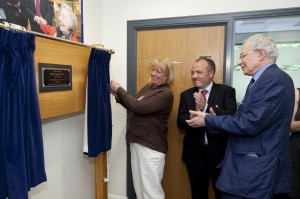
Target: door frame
(225,19)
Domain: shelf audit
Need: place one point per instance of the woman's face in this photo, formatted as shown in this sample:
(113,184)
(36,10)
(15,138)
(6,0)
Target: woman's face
(158,77)
(63,26)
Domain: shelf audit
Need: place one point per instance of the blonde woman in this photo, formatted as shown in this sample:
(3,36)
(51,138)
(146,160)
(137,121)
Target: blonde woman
(148,127)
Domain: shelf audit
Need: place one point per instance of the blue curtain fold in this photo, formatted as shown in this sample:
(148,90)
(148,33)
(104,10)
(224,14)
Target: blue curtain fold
(21,144)
(99,119)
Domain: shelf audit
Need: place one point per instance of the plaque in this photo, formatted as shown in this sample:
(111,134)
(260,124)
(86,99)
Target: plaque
(55,77)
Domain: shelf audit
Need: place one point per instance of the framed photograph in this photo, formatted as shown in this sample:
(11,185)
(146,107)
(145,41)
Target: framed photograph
(57,18)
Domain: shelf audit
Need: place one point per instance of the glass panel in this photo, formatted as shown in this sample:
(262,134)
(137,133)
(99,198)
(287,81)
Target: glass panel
(285,31)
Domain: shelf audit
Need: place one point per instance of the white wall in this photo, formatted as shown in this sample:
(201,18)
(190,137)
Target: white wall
(70,174)
(116,13)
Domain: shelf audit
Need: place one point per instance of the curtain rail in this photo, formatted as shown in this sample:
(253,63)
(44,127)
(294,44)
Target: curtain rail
(11,26)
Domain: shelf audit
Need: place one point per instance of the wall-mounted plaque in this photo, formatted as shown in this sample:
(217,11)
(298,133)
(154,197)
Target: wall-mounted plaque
(55,77)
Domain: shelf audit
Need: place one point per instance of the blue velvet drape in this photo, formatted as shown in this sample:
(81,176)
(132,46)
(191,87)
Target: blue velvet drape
(21,145)
(99,119)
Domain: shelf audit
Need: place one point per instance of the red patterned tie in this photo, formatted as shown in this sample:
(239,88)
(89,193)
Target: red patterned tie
(37,7)
(203,93)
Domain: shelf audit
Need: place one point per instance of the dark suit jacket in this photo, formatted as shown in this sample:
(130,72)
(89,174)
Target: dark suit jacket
(256,163)
(222,99)
(28,6)
(12,14)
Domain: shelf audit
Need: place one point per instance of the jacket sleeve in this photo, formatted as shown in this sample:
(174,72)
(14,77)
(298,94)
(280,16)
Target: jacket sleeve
(49,30)
(261,110)
(49,13)
(183,113)
(228,106)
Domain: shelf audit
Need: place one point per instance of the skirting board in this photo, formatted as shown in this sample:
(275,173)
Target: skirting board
(116,197)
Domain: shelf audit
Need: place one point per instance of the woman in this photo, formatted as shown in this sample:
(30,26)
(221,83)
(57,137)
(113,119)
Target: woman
(295,148)
(148,127)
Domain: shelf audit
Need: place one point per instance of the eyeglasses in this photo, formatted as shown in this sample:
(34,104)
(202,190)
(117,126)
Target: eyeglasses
(157,71)
(243,55)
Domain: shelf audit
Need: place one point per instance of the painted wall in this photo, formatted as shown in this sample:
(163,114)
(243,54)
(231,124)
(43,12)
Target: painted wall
(70,174)
(116,13)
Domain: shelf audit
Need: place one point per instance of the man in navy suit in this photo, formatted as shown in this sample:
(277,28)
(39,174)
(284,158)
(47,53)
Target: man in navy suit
(256,162)
(202,152)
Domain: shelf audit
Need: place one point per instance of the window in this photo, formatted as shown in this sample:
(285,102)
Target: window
(285,31)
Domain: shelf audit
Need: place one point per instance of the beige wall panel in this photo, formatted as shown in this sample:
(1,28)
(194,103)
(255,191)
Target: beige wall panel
(182,45)
(57,52)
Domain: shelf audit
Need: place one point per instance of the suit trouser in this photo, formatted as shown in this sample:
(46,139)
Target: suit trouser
(147,168)
(200,176)
(276,196)
(230,196)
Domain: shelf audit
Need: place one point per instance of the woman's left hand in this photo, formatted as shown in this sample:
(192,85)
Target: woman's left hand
(114,86)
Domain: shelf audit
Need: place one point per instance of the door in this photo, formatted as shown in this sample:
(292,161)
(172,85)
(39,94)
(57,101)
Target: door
(183,45)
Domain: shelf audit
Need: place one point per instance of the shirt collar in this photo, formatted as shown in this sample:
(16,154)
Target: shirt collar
(208,88)
(260,71)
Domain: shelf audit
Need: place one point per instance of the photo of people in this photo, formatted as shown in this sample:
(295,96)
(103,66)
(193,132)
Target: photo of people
(58,18)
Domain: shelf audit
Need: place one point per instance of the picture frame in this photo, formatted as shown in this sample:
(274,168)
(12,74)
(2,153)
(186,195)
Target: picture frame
(57,18)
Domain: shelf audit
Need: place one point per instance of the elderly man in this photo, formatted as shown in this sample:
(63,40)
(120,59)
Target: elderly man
(256,163)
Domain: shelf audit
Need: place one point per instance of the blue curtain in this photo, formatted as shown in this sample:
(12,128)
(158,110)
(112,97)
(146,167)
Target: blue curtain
(21,144)
(99,121)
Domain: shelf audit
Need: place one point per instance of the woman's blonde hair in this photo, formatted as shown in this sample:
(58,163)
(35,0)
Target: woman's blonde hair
(165,65)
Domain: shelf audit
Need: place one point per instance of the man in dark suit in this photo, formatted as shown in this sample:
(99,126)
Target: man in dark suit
(202,152)
(256,163)
(39,13)
(13,13)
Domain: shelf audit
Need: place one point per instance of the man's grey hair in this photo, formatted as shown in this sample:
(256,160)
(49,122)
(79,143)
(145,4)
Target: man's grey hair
(265,42)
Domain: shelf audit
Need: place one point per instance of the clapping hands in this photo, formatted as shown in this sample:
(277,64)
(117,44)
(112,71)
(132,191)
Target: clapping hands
(197,118)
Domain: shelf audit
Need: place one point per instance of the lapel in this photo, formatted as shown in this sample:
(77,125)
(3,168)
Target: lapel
(213,93)
(196,89)
(190,99)
(249,92)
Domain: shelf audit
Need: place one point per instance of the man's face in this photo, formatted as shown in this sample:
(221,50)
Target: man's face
(249,60)
(201,77)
